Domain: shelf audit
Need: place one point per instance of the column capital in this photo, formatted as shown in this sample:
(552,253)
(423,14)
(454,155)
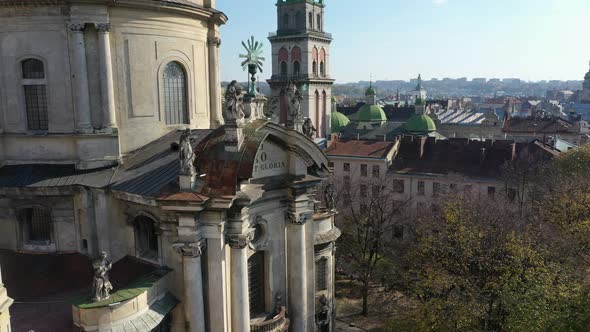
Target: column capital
(103,27)
(77,27)
(190,249)
(238,241)
(214,41)
(299,218)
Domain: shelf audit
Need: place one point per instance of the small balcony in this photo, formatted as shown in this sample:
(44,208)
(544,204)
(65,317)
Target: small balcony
(278,323)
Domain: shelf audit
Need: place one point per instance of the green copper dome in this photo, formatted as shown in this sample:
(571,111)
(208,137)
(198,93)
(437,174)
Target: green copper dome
(339,121)
(371,113)
(418,124)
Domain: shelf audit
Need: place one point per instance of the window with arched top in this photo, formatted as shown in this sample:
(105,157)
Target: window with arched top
(296,68)
(310,21)
(35,93)
(146,237)
(175,94)
(314,68)
(284,69)
(322,69)
(35,225)
(319,22)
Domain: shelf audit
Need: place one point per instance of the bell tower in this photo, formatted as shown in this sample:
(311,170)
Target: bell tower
(301,54)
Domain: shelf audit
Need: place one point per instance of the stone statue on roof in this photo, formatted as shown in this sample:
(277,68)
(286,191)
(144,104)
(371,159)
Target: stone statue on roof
(330,197)
(186,153)
(294,97)
(102,286)
(308,129)
(234,109)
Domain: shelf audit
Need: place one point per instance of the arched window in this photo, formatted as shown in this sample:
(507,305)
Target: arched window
(310,21)
(175,94)
(314,68)
(35,225)
(284,68)
(322,69)
(296,68)
(35,92)
(146,237)
(319,22)
(256,276)
(321,274)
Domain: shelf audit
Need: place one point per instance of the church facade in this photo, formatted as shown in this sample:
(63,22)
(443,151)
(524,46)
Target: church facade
(301,55)
(114,139)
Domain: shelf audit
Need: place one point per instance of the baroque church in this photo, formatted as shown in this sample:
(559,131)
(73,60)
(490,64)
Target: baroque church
(115,148)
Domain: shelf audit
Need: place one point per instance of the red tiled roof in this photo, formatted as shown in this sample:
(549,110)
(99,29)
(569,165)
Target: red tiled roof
(358,148)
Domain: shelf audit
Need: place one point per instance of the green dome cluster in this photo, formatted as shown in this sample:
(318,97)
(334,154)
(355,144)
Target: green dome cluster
(339,121)
(419,124)
(371,113)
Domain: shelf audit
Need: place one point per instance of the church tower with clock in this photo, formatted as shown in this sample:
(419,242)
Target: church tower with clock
(301,54)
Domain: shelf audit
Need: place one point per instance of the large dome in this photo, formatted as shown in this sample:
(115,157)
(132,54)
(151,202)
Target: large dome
(339,121)
(371,113)
(419,124)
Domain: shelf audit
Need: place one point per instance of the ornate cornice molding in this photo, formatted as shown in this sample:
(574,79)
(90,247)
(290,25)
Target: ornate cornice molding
(190,249)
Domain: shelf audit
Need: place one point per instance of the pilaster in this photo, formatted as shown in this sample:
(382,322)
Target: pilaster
(106,72)
(80,78)
(193,283)
(240,299)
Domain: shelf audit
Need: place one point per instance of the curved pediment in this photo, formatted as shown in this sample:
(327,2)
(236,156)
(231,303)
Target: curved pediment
(267,150)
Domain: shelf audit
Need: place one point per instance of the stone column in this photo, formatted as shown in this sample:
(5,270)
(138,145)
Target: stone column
(240,299)
(214,81)
(107,88)
(5,303)
(297,267)
(194,308)
(80,75)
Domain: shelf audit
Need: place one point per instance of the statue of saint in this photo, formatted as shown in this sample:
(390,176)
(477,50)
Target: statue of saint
(308,128)
(102,285)
(294,97)
(330,197)
(233,110)
(186,155)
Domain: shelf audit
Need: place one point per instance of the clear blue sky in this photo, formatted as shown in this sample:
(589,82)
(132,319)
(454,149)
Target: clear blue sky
(397,39)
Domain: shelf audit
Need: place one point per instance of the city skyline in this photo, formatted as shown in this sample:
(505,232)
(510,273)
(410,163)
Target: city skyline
(530,40)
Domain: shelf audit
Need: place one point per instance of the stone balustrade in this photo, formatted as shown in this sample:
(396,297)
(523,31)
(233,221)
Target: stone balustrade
(279,323)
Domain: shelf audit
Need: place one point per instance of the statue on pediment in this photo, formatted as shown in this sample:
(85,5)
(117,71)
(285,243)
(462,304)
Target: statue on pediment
(186,154)
(308,129)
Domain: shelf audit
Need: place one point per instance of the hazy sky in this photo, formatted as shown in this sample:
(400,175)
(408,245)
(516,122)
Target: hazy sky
(397,39)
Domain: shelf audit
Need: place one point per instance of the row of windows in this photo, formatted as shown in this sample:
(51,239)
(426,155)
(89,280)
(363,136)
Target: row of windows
(299,21)
(175,91)
(375,170)
(296,67)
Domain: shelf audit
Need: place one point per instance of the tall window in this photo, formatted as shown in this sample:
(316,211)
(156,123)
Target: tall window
(256,284)
(319,22)
(35,92)
(322,69)
(346,167)
(376,171)
(421,190)
(286,21)
(284,68)
(36,225)
(175,94)
(296,68)
(146,237)
(310,19)
(314,68)
(398,186)
(364,171)
(321,270)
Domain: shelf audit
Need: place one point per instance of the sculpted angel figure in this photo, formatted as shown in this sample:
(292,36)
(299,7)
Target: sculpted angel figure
(308,129)
(295,97)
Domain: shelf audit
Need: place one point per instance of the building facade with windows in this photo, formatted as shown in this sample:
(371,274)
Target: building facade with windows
(86,82)
(301,54)
(95,101)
